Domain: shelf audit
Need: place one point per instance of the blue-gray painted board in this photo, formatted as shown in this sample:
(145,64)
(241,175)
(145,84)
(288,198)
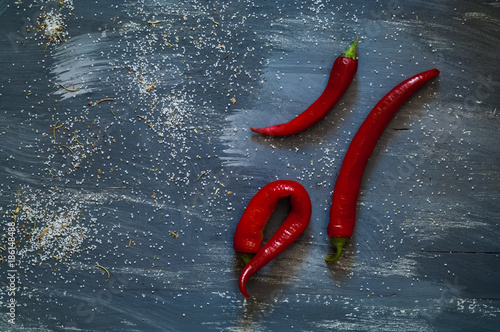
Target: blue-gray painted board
(151,185)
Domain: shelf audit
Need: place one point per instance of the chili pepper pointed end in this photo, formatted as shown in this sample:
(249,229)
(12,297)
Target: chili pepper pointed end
(339,243)
(243,283)
(351,51)
(268,131)
(262,131)
(245,293)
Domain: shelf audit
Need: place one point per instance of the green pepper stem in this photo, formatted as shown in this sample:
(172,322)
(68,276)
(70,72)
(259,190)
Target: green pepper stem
(351,51)
(339,243)
(246,257)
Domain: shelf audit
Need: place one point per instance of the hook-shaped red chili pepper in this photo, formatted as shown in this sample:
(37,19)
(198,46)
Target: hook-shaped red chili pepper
(342,73)
(250,229)
(346,191)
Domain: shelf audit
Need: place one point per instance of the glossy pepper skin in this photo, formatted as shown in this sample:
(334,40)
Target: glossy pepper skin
(342,73)
(250,229)
(346,190)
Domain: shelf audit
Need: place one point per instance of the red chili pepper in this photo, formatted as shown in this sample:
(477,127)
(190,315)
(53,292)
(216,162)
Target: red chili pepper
(342,73)
(250,230)
(346,191)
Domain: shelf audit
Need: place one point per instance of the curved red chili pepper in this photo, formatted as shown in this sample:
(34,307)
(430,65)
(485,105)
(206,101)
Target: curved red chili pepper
(346,191)
(342,73)
(250,230)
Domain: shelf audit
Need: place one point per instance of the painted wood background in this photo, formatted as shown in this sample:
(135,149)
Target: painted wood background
(125,149)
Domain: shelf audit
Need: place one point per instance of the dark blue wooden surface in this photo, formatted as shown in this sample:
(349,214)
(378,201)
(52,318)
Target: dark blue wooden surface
(150,186)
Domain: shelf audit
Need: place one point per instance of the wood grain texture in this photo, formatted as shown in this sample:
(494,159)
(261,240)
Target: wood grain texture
(155,199)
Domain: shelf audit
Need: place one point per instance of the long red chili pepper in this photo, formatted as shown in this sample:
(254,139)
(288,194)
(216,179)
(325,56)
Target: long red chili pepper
(346,191)
(342,73)
(250,229)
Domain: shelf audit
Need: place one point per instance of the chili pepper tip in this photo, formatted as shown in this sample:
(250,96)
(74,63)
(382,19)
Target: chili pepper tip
(258,130)
(339,243)
(245,275)
(266,131)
